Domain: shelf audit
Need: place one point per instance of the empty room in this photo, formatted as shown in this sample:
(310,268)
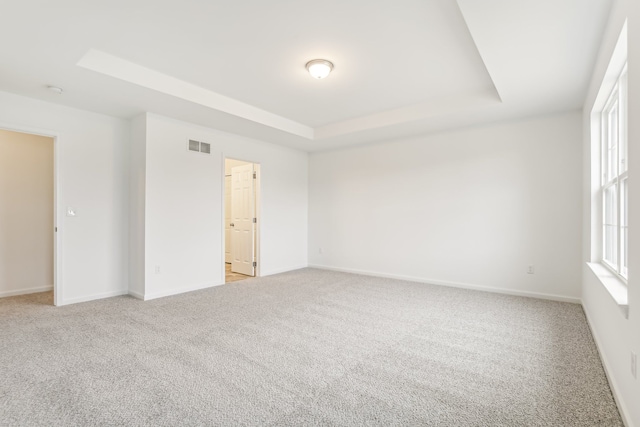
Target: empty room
(342,213)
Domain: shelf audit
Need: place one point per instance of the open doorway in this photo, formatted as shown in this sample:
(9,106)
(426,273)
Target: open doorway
(241,201)
(27,208)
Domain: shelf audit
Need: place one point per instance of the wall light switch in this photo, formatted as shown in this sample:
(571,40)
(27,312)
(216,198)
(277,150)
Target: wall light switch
(71,212)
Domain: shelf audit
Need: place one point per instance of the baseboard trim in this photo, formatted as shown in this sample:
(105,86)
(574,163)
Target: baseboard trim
(136,295)
(283,270)
(470,286)
(613,385)
(94,297)
(26,291)
(178,291)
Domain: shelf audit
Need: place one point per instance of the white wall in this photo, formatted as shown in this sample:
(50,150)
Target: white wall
(26,213)
(616,335)
(93,179)
(473,207)
(137,176)
(184,217)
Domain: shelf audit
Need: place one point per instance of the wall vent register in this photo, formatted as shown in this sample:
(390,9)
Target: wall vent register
(199,147)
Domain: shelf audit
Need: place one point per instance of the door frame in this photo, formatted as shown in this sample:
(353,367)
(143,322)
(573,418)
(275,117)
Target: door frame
(258,208)
(57,204)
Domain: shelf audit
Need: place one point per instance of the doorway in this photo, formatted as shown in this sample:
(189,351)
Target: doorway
(241,201)
(28,241)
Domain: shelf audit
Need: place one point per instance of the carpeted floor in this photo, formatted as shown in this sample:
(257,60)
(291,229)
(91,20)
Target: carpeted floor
(308,347)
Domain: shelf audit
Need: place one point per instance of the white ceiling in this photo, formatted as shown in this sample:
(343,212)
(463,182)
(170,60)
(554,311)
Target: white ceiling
(402,67)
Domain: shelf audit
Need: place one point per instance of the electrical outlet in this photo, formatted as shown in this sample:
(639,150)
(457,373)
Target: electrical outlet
(157,269)
(634,365)
(531,269)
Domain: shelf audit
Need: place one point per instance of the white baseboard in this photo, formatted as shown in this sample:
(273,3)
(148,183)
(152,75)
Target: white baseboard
(282,270)
(147,297)
(25,291)
(613,385)
(470,286)
(177,291)
(136,295)
(68,301)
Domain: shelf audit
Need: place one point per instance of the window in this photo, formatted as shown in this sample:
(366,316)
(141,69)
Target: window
(614,183)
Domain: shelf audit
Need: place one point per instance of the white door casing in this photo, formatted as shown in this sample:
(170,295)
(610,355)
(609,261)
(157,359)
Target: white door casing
(242,216)
(58,299)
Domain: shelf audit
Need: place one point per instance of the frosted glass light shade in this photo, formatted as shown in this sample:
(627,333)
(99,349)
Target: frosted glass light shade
(319,68)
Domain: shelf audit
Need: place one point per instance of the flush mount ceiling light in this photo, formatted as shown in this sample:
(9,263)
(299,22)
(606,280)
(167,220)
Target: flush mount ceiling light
(319,68)
(55,89)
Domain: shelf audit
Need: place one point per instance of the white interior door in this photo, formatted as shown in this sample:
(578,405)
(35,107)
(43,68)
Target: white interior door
(242,216)
(227,219)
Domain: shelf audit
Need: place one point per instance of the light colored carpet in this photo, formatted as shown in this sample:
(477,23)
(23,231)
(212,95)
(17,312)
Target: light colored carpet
(308,347)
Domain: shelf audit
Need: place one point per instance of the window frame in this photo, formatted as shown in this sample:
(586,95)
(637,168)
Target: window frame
(614,175)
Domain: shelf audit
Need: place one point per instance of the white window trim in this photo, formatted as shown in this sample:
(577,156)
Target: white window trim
(612,282)
(617,95)
(614,286)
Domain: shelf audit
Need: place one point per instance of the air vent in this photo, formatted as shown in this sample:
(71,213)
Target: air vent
(194,145)
(199,147)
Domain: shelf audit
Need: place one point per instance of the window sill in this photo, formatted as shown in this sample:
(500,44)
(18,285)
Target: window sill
(614,286)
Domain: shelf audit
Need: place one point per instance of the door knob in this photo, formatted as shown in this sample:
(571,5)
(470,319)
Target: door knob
(231,225)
